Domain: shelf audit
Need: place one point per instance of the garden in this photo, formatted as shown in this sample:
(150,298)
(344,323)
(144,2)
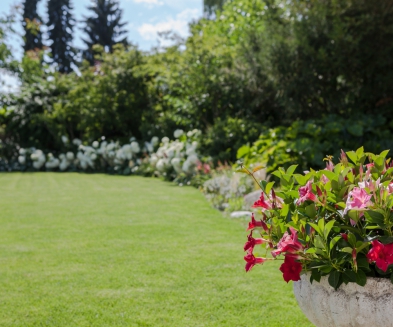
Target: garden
(239,176)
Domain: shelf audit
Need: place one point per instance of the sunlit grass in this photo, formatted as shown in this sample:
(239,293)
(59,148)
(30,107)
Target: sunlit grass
(98,250)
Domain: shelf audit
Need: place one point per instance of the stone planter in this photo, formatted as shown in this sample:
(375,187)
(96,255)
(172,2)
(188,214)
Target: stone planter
(350,306)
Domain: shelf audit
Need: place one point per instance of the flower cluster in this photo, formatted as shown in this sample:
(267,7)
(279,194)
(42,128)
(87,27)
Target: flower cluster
(336,222)
(178,156)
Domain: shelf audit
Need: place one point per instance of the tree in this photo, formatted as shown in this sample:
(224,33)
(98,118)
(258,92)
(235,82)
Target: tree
(60,26)
(31,24)
(104,27)
(210,6)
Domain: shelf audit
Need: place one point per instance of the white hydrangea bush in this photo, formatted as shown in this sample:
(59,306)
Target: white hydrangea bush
(178,157)
(168,158)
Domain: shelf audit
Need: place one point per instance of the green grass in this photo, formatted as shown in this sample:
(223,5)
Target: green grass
(99,250)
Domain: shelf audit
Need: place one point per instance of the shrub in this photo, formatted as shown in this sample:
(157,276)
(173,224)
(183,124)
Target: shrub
(307,143)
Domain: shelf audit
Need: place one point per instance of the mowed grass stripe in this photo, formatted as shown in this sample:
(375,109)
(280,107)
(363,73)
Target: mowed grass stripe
(99,250)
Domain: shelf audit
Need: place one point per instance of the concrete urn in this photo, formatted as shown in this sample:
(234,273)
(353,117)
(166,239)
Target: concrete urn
(350,306)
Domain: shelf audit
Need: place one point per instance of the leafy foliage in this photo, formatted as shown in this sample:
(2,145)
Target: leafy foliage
(335,222)
(306,143)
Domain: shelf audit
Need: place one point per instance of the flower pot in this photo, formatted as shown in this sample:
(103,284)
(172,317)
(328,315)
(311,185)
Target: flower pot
(350,305)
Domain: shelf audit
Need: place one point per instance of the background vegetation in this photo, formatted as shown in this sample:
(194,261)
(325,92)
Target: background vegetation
(252,67)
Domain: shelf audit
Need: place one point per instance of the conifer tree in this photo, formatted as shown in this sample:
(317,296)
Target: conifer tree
(31,24)
(104,27)
(60,27)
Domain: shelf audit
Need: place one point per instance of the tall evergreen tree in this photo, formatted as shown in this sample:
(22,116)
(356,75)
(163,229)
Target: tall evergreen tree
(104,27)
(60,26)
(31,24)
(210,6)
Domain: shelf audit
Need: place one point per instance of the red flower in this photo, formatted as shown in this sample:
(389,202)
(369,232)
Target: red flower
(261,203)
(254,224)
(344,236)
(305,193)
(288,243)
(382,254)
(291,269)
(252,260)
(252,242)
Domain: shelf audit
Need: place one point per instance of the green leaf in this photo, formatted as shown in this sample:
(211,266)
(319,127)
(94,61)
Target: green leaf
(291,169)
(351,275)
(243,151)
(361,278)
(316,227)
(302,180)
(316,275)
(347,249)
(383,154)
(269,187)
(360,152)
(374,217)
(352,155)
(334,241)
(327,229)
(311,211)
(321,225)
(334,279)
(319,242)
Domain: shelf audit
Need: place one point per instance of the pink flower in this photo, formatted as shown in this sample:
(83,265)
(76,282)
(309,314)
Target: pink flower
(252,242)
(382,254)
(305,193)
(206,168)
(255,224)
(252,260)
(288,243)
(262,203)
(390,188)
(324,179)
(343,158)
(329,165)
(291,269)
(358,199)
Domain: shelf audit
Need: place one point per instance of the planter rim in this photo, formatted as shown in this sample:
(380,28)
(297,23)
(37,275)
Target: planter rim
(374,284)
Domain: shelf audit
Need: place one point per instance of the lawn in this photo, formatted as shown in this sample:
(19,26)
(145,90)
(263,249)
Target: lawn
(99,250)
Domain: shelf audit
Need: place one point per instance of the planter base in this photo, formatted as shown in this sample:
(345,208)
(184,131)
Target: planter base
(350,306)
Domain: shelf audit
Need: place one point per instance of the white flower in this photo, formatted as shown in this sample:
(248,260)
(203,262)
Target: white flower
(22,160)
(70,156)
(162,164)
(176,163)
(52,162)
(22,152)
(153,159)
(149,147)
(77,142)
(193,159)
(39,159)
(154,140)
(95,144)
(64,139)
(135,147)
(178,133)
(165,140)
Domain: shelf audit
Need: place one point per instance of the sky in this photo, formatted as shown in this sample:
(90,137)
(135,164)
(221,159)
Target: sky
(143,18)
